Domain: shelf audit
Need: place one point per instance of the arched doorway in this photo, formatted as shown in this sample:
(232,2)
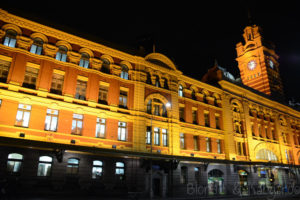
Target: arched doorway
(215,182)
(243,175)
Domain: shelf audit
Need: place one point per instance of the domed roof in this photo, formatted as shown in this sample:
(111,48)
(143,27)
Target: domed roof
(161,60)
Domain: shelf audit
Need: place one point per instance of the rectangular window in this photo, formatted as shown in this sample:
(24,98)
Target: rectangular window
(100,128)
(239,148)
(196,145)
(51,120)
(97,169)
(252,129)
(194,116)
(57,82)
(273,134)
(122,131)
(4,68)
(103,92)
(156,109)
(266,132)
(259,130)
(164,137)
(148,135)
(81,89)
(156,136)
(23,115)
(217,118)
(44,167)
(123,99)
(181,113)
(208,144)
(31,75)
(77,124)
(182,142)
(219,146)
(206,119)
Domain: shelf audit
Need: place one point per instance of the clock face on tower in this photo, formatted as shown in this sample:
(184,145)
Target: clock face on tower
(251,64)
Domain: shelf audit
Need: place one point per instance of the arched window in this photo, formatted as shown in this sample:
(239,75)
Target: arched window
(61,54)
(10,38)
(166,85)
(97,169)
(105,68)
(180,90)
(85,60)
(265,154)
(73,165)
(156,107)
(215,182)
(124,72)
(14,162)
(37,46)
(44,168)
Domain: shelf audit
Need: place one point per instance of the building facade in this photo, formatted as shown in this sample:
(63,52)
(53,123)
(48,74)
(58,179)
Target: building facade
(78,117)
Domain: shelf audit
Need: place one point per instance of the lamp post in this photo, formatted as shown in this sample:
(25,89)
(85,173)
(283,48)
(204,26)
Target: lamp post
(168,105)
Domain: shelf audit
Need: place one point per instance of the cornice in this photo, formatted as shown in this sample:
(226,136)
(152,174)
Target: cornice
(242,92)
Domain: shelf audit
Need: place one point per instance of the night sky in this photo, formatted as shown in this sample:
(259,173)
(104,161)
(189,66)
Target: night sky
(193,35)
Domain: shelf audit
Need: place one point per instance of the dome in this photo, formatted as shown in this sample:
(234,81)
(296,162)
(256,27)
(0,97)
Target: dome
(161,60)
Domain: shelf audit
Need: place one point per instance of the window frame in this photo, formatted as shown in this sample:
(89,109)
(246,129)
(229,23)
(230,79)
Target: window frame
(14,160)
(51,113)
(122,130)
(23,110)
(94,169)
(77,118)
(99,126)
(73,166)
(46,163)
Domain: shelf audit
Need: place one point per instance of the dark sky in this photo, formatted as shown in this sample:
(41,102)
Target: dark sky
(193,35)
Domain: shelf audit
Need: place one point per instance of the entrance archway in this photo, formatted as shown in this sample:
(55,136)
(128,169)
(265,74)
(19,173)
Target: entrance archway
(215,182)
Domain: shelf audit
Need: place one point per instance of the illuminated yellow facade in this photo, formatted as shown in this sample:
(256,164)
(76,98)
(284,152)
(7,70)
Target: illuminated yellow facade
(143,97)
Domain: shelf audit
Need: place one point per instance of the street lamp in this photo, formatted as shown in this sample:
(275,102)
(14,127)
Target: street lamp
(168,105)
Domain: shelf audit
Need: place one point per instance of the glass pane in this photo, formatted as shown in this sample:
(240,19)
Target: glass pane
(73,161)
(17,166)
(96,172)
(12,42)
(64,57)
(47,123)
(53,124)
(33,48)
(26,119)
(45,159)
(120,164)
(44,169)
(15,156)
(97,162)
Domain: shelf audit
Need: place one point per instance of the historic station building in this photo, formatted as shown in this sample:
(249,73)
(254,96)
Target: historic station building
(78,117)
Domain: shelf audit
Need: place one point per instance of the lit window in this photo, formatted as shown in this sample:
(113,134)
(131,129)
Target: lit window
(180,90)
(120,168)
(44,168)
(156,136)
(100,128)
(61,54)
(51,120)
(4,69)
(81,89)
(37,46)
(30,78)
(85,60)
(97,169)
(148,135)
(57,83)
(124,72)
(123,99)
(14,162)
(72,167)
(10,38)
(164,137)
(23,115)
(208,144)
(219,146)
(182,142)
(77,124)
(122,132)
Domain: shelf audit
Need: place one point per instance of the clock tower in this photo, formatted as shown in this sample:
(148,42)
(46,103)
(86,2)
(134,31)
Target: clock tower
(258,63)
